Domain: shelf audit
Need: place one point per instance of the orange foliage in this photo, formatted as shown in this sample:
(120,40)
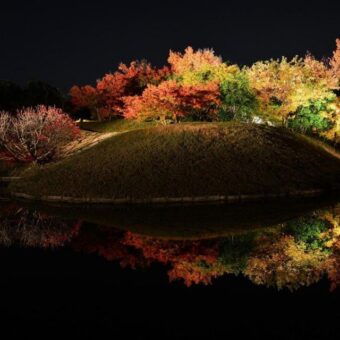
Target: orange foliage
(191,60)
(128,81)
(105,100)
(171,100)
(335,61)
(192,87)
(84,96)
(88,97)
(319,73)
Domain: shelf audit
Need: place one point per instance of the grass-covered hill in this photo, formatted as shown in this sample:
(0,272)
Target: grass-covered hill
(186,160)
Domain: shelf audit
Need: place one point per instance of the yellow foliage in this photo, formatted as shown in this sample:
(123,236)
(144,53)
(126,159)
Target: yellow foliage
(334,116)
(201,66)
(282,86)
(284,263)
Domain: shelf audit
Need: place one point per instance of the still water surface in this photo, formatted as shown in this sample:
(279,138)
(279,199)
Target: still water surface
(172,272)
(281,245)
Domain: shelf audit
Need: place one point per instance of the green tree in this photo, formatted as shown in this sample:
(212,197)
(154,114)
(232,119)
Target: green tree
(238,100)
(312,118)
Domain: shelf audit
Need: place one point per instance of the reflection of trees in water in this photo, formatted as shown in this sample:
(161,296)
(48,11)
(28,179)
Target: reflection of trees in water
(281,261)
(191,260)
(294,254)
(300,254)
(30,228)
(108,243)
(297,253)
(333,262)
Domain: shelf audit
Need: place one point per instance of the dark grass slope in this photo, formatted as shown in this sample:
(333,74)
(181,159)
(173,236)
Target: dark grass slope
(188,160)
(117,125)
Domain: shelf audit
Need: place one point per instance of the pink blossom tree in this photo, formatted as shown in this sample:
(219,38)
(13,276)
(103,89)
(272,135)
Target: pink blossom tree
(35,134)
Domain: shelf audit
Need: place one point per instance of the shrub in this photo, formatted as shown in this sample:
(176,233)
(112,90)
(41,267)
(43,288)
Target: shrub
(35,134)
(312,118)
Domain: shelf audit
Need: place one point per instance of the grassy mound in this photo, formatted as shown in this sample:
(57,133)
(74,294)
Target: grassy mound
(117,125)
(11,168)
(188,160)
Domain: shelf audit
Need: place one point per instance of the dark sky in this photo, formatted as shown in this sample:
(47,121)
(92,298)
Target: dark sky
(76,42)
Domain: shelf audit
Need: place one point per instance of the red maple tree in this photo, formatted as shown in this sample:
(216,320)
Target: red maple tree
(171,100)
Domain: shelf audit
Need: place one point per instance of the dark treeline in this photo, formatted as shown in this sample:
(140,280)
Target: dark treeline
(14,97)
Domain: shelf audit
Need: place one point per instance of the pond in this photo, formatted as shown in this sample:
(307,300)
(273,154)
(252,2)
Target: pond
(160,270)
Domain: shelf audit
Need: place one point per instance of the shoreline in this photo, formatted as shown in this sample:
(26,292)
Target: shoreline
(172,200)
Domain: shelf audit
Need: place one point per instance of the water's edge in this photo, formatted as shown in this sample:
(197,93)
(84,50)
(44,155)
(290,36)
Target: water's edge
(169,200)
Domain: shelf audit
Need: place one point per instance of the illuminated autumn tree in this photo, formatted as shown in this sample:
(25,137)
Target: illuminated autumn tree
(36,134)
(128,81)
(198,85)
(318,114)
(335,62)
(197,67)
(173,101)
(237,100)
(333,114)
(319,73)
(283,86)
(192,60)
(88,98)
(106,99)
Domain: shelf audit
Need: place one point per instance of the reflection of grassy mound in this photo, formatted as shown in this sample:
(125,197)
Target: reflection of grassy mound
(187,222)
(188,160)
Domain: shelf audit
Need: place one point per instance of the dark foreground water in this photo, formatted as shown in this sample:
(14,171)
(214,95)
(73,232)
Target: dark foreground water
(266,270)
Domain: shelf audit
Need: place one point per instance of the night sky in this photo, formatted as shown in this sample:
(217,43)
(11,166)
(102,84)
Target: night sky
(76,42)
